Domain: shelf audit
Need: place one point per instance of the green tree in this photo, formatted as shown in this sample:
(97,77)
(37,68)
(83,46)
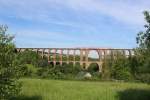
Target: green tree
(143,41)
(120,69)
(28,57)
(8,69)
(143,38)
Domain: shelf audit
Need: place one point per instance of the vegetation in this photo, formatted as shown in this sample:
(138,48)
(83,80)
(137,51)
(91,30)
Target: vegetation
(143,51)
(40,89)
(120,68)
(136,67)
(9,71)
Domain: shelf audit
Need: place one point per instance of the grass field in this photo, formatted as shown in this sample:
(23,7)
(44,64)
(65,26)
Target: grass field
(40,89)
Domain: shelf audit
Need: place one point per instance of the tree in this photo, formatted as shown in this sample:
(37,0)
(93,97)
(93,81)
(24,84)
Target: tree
(143,38)
(120,69)
(143,41)
(8,69)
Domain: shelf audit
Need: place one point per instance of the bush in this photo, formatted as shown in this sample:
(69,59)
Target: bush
(66,71)
(120,69)
(28,57)
(96,76)
(42,62)
(9,71)
(145,78)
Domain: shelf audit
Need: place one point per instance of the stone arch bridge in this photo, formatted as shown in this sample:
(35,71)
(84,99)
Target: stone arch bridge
(83,53)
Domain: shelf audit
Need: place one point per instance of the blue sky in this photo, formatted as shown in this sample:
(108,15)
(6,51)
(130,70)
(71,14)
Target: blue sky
(74,23)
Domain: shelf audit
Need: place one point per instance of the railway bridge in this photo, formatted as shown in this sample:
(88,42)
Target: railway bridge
(55,55)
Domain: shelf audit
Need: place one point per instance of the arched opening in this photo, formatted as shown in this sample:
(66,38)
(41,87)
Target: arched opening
(94,70)
(93,55)
(64,56)
(93,67)
(84,55)
(57,63)
(84,66)
(71,52)
(45,51)
(51,64)
(70,64)
(77,55)
(64,64)
(52,55)
(77,64)
(58,53)
(77,67)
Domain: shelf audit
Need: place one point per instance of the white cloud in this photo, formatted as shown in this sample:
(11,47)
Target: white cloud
(125,11)
(52,12)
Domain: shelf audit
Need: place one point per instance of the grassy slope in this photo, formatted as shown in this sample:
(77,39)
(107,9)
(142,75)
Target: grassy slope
(37,89)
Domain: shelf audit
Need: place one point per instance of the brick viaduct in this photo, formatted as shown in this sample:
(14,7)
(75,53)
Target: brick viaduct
(83,54)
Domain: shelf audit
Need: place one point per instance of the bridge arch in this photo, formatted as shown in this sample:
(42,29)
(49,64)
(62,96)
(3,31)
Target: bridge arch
(58,63)
(94,67)
(93,55)
(77,55)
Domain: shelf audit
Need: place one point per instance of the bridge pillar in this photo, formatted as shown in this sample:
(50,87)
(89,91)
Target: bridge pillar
(81,57)
(37,51)
(111,55)
(86,58)
(100,62)
(68,56)
(61,56)
(124,53)
(43,50)
(100,66)
(74,57)
(129,53)
(100,55)
(48,56)
(87,64)
(54,57)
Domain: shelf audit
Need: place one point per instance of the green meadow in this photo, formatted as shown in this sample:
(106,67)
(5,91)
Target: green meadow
(44,89)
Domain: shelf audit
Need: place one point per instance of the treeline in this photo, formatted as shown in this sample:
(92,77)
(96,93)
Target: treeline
(124,68)
(33,65)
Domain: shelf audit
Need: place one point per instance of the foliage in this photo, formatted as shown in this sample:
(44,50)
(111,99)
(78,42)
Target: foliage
(28,57)
(106,70)
(143,41)
(93,69)
(143,38)
(8,66)
(66,71)
(120,68)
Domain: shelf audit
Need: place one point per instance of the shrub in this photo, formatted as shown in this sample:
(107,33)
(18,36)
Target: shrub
(120,69)
(42,62)
(145,77)
(9,72)
(28,57)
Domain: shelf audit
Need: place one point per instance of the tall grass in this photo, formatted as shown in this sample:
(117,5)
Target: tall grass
(40,89)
